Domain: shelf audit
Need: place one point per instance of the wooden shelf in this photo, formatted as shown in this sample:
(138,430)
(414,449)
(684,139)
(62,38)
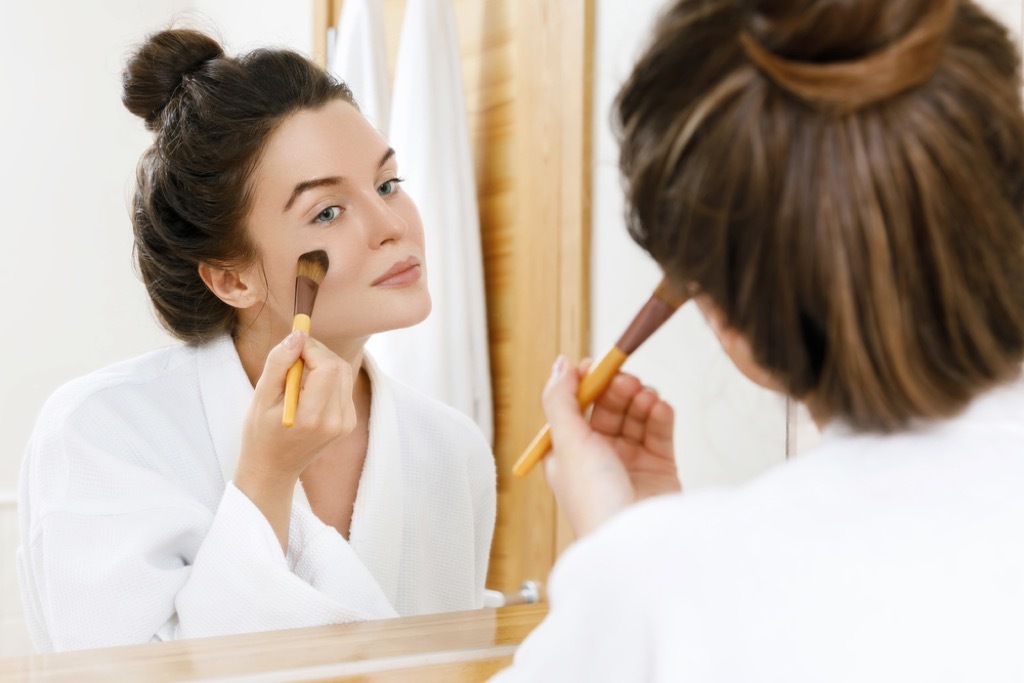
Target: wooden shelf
(459,646)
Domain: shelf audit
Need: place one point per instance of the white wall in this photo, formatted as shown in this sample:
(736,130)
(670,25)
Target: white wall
(68,150)
(1008,11)
(727,429)
(248,24)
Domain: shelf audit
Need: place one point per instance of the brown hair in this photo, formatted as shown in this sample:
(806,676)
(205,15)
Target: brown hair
(845,180)
(212,116)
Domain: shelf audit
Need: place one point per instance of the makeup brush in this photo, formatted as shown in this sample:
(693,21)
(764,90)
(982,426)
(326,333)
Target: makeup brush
(311,269)
(659,308)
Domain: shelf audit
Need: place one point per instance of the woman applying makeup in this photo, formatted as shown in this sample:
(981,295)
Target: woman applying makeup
(161,497)
(840,186)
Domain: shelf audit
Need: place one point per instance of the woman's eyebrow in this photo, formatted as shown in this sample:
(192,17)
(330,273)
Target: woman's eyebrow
(309,185)
(332,180)
(387,155)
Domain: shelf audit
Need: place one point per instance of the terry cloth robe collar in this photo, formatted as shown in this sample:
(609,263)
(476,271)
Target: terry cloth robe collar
(377,529)
(377,517)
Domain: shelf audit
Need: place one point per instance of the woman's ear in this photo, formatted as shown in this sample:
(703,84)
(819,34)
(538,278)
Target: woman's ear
(238,289)
(735,345)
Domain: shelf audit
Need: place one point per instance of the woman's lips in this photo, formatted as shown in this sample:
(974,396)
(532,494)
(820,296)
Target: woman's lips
(399,275)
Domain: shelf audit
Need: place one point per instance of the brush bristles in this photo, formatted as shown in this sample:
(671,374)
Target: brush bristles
(670,294)
(313,264)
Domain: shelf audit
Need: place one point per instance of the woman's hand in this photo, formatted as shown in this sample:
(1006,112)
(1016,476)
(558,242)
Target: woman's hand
(273,456)
(624,454)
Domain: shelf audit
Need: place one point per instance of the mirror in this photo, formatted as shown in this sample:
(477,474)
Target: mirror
(77,148)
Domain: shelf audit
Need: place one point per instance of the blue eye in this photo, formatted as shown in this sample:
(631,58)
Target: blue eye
(327,215)
(389,187)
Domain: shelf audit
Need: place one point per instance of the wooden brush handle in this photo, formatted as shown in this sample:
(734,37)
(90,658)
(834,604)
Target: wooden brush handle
(592,385)
(294,376)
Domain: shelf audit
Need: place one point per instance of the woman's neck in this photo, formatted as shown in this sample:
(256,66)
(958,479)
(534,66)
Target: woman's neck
(819,415)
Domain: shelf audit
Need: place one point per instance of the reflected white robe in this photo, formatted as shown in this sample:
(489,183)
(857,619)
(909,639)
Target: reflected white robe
(360,58)
(131,530)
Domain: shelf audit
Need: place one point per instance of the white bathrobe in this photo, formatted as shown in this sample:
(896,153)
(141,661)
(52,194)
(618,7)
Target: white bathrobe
(131,530)
(872,558)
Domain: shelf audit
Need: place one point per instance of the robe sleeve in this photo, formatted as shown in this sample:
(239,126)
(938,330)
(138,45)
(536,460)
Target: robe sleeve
(242,582)
(115,552)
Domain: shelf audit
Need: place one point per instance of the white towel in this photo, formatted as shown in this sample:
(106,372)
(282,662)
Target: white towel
(447,355)
(360,58)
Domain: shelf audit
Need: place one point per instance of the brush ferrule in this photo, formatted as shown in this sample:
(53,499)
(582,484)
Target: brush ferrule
(305,295)
(654,313)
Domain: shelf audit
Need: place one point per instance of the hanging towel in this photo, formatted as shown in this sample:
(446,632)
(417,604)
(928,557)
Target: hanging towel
(447,355)
(359,58)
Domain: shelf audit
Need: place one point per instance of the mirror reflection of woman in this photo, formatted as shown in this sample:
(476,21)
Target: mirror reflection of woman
(161,497)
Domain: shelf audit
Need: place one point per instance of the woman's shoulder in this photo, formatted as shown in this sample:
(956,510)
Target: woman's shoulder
(652,526)
(828,499)
(118,383)
(699,532)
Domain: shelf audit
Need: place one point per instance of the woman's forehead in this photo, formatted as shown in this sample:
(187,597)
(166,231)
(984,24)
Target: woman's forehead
(332,140)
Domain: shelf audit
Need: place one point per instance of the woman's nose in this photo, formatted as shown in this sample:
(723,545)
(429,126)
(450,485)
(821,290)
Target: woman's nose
(384,224)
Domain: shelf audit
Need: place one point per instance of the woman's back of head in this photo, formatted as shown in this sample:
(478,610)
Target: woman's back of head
(845,180)
(211,116)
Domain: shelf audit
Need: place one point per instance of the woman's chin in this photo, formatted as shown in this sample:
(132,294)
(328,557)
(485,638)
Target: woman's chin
(408,315)
(410,320)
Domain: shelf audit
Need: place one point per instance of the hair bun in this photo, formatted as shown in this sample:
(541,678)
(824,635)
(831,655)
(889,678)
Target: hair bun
(842,57)
(155,72)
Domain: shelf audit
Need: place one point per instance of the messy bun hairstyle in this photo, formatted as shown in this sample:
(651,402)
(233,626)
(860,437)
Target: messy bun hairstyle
(211,116)
(844,179)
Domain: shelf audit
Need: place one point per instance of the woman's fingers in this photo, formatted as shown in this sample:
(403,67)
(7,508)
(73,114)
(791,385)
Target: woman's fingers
(660,429)
(610,409)
(326,397)
(280,358)
(634,426)
(583,469)
(561,405)
(632,411)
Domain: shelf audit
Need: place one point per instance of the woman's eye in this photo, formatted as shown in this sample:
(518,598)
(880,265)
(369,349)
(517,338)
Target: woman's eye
(389,187)
(328,214)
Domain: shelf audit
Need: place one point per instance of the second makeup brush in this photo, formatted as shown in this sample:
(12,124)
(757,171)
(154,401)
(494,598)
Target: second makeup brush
(659,308)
